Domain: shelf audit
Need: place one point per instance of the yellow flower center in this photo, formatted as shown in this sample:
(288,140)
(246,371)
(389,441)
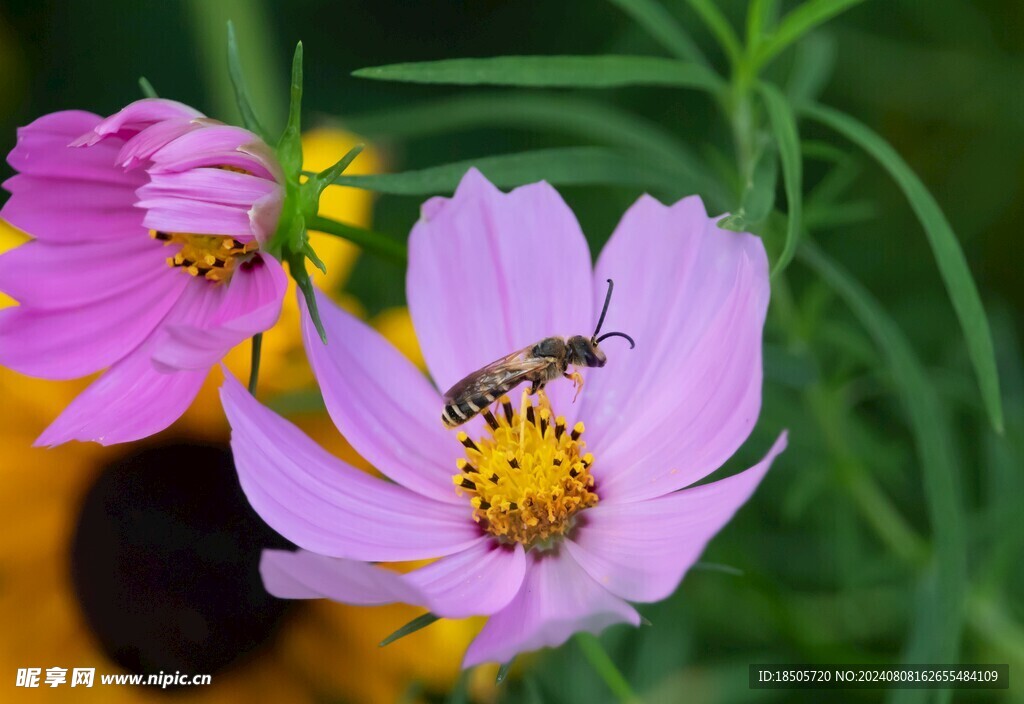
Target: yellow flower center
(214,257)
(528,477)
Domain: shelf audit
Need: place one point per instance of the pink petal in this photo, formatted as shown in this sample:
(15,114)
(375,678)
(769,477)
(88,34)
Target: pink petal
(136,117)
(73,210)
(210,186)
(217,145)
(42,274)
(382,404)
(490,273)
(42,150)
(306,575)
(71,342)
(324,505)
(476,582)
(212,318)
(140,148)
(264,216)
(130,401)
(694,297)
(557,599)
(179,215)
(641,550)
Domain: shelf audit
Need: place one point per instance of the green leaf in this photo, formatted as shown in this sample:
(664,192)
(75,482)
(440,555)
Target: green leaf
(568,166)
(259,53)
(551,72)
(245,108)
(416,624)
(761,16)
(787,139)
(720,28)
(147,88)
(578,117)
(814,61)
(503,671)
(662,26)
(942,617)
(797,23)
(758,195)
(949,257)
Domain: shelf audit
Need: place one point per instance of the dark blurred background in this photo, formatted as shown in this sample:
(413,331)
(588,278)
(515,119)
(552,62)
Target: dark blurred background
(805,579)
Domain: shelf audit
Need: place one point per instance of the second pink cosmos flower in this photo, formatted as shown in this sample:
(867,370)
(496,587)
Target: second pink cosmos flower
(146,260)
(547,518)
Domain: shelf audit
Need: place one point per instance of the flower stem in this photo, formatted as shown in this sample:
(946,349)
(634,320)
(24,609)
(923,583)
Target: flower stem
(375,242)
(595,654)
(254,368)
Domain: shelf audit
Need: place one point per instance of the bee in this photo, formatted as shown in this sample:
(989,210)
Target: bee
(538,364)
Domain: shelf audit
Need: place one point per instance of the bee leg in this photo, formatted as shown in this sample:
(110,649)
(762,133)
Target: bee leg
(577,381)
(542,399)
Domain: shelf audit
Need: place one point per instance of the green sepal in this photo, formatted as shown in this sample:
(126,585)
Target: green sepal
(297,266)
(289,148)
(245,108)
(326,177)
(421,621)
(147,88)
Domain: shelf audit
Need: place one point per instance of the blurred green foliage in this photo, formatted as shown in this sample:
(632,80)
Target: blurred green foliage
(890,530)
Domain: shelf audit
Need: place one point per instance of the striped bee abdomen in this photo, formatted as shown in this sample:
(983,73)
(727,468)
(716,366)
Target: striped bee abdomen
(458,411)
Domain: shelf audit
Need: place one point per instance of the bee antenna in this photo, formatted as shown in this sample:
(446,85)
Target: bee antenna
(616,334)
(604,311)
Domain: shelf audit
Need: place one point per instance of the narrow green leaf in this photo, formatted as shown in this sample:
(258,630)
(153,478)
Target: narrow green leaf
(758,195)
(147,88)
(258,50)
(797,23)
(416,624)
(249,119)
(942,618)
(568,166)
(720,28)
(503,671)
(254,366)
(787,139)
(718,567)
(663,27)
(761,17)
(589,120)
(814,61)
(949,257)
(551,72)
(604,666)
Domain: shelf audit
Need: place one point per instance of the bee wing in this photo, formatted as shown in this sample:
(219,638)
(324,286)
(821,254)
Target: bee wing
(503,373)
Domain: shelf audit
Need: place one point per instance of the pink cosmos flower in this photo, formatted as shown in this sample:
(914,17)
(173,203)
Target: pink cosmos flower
(561,513)
(146,260)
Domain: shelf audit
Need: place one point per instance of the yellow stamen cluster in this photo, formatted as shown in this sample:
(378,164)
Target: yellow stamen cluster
(528,477)
(213,257)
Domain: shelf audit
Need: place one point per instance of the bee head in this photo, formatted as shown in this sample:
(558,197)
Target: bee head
(585,353)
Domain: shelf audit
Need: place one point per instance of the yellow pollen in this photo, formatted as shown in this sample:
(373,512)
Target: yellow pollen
(214,257)
(528,477)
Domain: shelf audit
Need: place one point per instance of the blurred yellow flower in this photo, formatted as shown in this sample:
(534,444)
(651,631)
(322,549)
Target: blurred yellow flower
(317,651)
